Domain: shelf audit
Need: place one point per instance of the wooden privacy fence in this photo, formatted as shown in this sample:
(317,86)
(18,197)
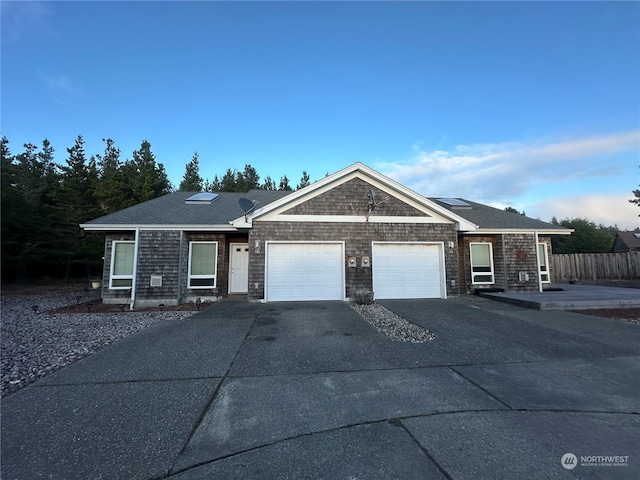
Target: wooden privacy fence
(596,266)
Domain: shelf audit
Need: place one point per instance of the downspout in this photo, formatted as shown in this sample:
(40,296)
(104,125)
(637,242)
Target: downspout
(135,270)
(504,265)
(538,262)
(180,259)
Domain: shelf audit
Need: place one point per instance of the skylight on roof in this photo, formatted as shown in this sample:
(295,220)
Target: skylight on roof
(453,202)
(202,197)
(637,235)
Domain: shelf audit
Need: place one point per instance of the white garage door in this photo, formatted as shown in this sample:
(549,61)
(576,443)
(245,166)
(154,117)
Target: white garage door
(305,271)
(407,270)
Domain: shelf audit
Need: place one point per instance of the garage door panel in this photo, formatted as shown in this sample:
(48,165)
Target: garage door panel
(305,271)
(404,270)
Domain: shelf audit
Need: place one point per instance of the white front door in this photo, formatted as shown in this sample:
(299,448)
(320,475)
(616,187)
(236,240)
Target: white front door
(239,268)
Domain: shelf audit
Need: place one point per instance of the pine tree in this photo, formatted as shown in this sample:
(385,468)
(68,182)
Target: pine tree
(34,178)
(148,178)
(212,186)
(268,184)
(251,178)
(192,181)
(76,203)
(228,182)
(284,184)
(112,191)
(304,181)
(12,211)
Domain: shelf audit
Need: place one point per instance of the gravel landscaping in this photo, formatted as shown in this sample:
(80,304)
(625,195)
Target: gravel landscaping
(393,325)
(46,331)
(37,343)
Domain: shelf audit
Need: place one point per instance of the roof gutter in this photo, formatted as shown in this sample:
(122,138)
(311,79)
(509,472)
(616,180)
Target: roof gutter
(499,231)
(157,227)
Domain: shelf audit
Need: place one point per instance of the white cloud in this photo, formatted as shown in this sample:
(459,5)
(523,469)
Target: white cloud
(21,20)
(608,210)
(64,90)
(62,83)
(504,172)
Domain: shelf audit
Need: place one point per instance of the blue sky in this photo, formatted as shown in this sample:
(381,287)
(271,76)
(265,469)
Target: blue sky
(534,105)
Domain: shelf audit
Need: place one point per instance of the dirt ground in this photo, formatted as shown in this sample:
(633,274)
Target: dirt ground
(99,307)
(94,306)
(631,315)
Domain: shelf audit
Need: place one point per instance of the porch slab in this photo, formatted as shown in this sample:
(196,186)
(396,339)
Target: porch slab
(572,297)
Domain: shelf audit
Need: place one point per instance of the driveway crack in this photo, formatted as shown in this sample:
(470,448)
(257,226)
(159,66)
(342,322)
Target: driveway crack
(213,396)
(491,394)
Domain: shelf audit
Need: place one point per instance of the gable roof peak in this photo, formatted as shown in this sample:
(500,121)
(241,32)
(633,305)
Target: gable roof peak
(357,169)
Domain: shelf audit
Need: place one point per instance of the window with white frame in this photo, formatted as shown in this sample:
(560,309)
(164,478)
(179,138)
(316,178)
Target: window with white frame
(481,263)
(543,258)
(203,263)
(122,264)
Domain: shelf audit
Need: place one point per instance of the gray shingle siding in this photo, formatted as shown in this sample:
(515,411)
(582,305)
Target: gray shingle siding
(350,198)
(168,224)
(158,254)
(358,238)
(512,254)
(165,253)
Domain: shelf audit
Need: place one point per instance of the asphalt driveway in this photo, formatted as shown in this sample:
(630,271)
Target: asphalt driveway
(311,390)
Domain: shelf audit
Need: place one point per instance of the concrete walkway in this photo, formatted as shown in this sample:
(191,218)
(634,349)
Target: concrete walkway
(311,390)
(573,297)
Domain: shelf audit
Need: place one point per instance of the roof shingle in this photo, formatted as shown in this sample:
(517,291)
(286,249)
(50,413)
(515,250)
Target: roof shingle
(490,218)
(172,209)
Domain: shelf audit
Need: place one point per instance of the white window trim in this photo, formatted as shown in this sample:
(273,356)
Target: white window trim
(112,276)
(215,274)
(546,259)
(492,272)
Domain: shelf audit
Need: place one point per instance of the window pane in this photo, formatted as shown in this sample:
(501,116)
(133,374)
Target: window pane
(483,279)
(121,282)
(480,256)
(203,259)
(201,282)
(123,261)
(481,269)
(542,254)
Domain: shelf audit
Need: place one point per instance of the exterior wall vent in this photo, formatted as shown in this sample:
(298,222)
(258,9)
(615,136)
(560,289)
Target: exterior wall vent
(156,280)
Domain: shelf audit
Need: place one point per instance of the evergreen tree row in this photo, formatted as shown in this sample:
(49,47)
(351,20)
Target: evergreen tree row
(43,202)
(233,180)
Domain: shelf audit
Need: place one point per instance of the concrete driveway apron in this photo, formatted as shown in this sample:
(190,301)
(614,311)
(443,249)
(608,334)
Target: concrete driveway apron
(310,390)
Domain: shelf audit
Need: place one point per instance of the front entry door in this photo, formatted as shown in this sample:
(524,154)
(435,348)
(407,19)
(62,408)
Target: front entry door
(239,263)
